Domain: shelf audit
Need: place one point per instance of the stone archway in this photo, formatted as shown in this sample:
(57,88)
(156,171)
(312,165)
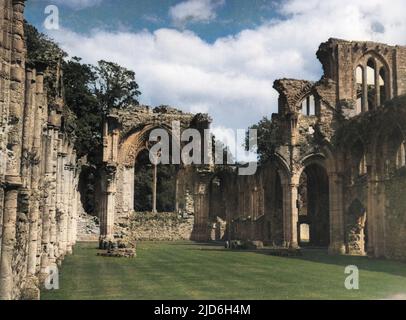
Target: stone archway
(274,206)
(314,206)
(126,134)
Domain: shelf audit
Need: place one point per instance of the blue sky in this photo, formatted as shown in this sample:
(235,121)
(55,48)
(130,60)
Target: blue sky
(217,56)
(232,16)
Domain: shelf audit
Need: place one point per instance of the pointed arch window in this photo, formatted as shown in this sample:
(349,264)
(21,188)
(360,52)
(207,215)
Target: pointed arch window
(371,84)
(401,156)
(359,75)
(309,106)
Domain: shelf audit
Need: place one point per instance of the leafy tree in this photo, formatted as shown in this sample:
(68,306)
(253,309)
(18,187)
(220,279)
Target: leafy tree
(40,48)
(83,102)
(115,86)
(266,137)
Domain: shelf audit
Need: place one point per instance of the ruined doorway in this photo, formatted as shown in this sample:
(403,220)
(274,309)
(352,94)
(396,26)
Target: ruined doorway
(274,209)
(313,205)
(144,184)
(217,209)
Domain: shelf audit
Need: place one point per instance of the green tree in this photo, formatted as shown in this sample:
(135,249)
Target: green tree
(83,102)
(267,134)
(115,86)
(41,48)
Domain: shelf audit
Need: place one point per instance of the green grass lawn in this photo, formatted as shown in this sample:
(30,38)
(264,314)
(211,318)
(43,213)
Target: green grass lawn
(188,270)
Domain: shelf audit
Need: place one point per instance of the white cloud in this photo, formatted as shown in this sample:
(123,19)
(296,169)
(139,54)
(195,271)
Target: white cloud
(232,78)
(194,11)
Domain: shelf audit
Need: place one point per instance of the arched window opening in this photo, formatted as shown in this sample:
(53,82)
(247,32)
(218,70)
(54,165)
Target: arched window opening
(309,106)
(394,151)
(363,165)
(371,84)
(149,180)
(304,233)
(273,199)
(382,86)
(359,76)
(313,205)
(358,160)
(216,198)
(401,156)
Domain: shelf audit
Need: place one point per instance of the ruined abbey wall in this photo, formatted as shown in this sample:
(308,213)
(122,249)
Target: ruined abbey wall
(126,134)
(337,171)
(334,175)
(38,174)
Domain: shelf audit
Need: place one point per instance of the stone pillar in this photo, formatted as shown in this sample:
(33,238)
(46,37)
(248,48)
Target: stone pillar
(61,200)
(177,195)
(69,200)
(337,245)
(13,40)
(35,180)
(377,84)
(45,239)
(291,214)
(154,183)
(8,243)
(201,210)
(376,218)
(54,239)
(108,202)
(364,89)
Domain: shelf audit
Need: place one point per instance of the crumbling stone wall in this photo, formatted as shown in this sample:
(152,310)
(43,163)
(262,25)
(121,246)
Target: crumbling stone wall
(357,144)
(160,226)
(126,134)
(37,166)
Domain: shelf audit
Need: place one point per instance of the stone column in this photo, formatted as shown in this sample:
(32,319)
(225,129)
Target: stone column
(337,245)
(35,179)
(28,124)
(14,40)
(364,88)
(154,183)
(177,196)
(61,204)
(201,210)
(377,84)
(108,202)
(45,239)
(54,239)
(8,243)
(69,200)
(376,218)
(291,214)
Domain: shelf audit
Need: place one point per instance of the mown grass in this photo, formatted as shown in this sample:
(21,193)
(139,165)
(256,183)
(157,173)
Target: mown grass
(188,270)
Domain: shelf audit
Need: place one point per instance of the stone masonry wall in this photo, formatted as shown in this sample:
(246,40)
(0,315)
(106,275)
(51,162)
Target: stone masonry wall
(163,226)
(396,217)
(38,173)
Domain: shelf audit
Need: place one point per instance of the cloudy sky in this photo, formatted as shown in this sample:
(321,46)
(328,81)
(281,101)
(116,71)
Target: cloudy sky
(217,56)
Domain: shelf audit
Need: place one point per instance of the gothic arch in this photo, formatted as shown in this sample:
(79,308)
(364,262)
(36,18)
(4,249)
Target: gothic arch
(314,201)
(375,87)
(135,141)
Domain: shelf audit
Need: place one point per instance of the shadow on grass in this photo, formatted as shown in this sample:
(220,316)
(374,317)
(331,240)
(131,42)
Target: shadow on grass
(392,267)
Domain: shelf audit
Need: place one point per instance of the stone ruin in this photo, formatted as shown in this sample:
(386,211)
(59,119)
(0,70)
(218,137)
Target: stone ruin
(335,176)
(332,180)
(38,171)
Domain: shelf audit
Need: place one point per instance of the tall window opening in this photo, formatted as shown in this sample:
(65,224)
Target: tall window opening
(359,75)
(371,84)
(309,106)
(382,86)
